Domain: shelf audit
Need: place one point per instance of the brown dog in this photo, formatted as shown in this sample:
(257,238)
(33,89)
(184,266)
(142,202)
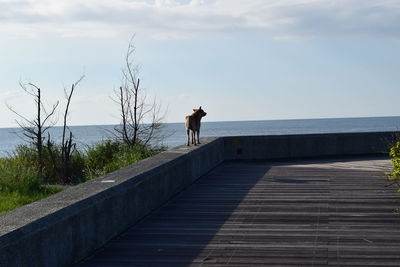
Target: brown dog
(193,125)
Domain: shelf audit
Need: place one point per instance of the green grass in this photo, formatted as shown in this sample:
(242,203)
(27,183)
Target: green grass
(20,182)
(10,200)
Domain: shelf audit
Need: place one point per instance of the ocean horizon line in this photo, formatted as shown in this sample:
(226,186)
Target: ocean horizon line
(231,121)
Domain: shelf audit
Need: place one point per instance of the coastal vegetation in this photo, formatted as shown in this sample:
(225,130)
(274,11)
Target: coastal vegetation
(395,158)
(44,166)
(21,182)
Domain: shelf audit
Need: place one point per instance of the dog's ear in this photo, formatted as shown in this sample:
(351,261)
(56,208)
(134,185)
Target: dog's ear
(200,107)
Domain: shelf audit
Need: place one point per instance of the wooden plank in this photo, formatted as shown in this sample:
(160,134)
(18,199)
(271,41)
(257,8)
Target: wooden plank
(259,214)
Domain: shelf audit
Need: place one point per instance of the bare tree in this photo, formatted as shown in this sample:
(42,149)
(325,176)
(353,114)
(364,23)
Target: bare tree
(34,129)
(62,166)
(141,120)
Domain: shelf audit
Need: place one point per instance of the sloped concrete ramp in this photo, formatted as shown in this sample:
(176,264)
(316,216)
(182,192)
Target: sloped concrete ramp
(338,212)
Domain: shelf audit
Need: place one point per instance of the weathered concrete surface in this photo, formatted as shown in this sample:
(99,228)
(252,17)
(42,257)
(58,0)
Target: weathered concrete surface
(330,212)
(66,227)
(307,145)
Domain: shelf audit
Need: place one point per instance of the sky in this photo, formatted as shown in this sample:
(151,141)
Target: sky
(239,60)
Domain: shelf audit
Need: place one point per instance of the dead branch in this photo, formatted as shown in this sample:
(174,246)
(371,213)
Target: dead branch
(134,108)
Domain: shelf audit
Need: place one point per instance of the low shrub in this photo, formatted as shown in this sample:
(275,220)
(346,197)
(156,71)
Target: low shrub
(21,183)
(100,155)
(395,158)
(26,156)
(64,171)
(109,156)
(16,175)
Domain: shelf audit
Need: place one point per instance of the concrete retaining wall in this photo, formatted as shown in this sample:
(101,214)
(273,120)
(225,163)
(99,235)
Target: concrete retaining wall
(306,145)
(68,226)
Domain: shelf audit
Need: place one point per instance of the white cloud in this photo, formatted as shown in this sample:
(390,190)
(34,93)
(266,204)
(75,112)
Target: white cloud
(166,19)
(172,36)
(9,95)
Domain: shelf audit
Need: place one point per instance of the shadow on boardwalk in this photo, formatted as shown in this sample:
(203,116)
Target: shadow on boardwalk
(304,213)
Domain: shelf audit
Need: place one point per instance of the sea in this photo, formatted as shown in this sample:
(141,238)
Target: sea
(175,135)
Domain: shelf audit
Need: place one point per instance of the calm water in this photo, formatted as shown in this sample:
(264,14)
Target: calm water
(87,135)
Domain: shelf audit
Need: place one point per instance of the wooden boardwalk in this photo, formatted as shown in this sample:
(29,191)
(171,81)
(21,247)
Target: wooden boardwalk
(308,213)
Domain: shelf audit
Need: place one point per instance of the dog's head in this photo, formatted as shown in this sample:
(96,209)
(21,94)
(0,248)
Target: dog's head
(200,111)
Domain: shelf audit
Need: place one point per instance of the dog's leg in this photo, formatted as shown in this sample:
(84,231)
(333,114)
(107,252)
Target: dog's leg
(188,136)
(194,138)
(198,136)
